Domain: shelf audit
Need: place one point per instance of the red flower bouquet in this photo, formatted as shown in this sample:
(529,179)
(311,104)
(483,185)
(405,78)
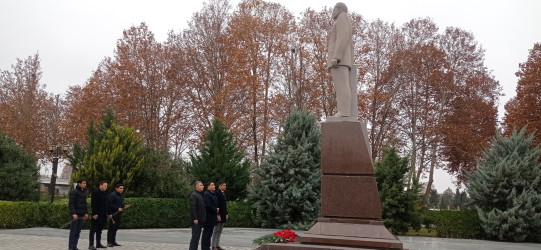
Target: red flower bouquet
(285,236)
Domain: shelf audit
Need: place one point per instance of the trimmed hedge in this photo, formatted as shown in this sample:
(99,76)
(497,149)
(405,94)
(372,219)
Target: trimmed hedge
(454,224)
(145,213)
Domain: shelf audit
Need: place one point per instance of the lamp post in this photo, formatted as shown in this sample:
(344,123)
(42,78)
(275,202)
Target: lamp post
(57,151)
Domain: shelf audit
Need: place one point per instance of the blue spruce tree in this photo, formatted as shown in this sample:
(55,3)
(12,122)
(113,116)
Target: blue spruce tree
(506,188)
(286,189)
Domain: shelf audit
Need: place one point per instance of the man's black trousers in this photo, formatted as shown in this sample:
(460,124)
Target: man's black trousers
(196,235)
(96,226)
(113,227)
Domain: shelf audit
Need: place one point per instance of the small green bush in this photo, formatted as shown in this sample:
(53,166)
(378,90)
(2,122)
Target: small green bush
(454,224)
(155,213)
(144,213)
(240,214)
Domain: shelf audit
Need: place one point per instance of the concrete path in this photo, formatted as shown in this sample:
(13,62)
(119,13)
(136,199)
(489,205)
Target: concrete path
(232,239)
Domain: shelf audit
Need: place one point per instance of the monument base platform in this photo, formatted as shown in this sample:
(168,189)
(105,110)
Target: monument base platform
(343,233)
(297,246)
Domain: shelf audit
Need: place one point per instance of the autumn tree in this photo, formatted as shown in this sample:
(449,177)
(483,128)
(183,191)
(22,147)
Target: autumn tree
(258,38)
(444,99)
(472,118)
(525,108)
(25,105)
(143,84)
(313,29)
(86,104)
(145,98)
(378,94)
(419,67)
(202,50)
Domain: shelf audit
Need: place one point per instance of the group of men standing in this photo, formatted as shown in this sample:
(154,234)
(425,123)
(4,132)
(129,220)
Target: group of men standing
(103,206)
(208,213)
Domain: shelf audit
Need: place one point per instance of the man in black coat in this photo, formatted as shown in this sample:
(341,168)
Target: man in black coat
(222,216)
(115,206)
(78,211)
(197,214)
(211,210)
(99,215)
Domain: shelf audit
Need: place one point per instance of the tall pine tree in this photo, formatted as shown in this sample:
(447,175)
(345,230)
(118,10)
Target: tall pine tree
(220,159)
(286,190)
(397,203)
(506,188)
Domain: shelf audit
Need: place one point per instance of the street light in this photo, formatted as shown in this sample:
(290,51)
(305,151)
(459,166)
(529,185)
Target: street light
(57,151)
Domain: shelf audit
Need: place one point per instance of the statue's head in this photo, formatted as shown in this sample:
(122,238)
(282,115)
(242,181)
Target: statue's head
(339,8)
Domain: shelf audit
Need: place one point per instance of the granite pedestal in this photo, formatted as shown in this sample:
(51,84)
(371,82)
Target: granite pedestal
(350,204)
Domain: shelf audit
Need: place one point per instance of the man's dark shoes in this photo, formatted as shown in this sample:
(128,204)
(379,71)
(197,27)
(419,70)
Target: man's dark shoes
(110,245)
(220,248)
(116,244)
(100,246)
(91,248)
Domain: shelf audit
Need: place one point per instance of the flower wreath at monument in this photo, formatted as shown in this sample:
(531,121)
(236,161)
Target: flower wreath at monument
(283,236)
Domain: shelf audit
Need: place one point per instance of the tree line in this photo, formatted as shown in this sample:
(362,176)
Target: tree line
(423,90)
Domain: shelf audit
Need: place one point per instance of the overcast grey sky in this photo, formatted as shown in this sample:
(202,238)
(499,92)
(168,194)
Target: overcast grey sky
(73,36)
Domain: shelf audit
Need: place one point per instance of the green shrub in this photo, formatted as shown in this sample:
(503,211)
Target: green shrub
(155,213)
(144,213)
(454,224)
(240,214)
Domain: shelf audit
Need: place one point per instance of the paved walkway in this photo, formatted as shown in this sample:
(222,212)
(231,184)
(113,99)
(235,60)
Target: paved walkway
(232,239)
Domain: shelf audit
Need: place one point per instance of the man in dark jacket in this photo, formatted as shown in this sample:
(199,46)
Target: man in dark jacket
(222,216)
(78,211)
(197,214)
(115,206)
(99,215)
(211,210)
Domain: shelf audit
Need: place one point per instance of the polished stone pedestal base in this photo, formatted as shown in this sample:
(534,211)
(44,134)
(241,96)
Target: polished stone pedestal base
(350,205)
(342,234)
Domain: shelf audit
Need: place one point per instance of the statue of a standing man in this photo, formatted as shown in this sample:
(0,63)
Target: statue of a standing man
(340,62)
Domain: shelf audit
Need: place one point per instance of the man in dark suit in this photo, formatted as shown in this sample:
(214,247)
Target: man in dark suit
(99,215)
(78,211)
(211,210)
(197,214)
(222,216)
(115,206)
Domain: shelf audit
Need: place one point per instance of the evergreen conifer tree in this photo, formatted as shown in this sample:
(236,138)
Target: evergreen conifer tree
(286,190)
(434,199)
(113,154)
(506,188)
(19,173)
(220,159)
(397,203)
(447,199)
